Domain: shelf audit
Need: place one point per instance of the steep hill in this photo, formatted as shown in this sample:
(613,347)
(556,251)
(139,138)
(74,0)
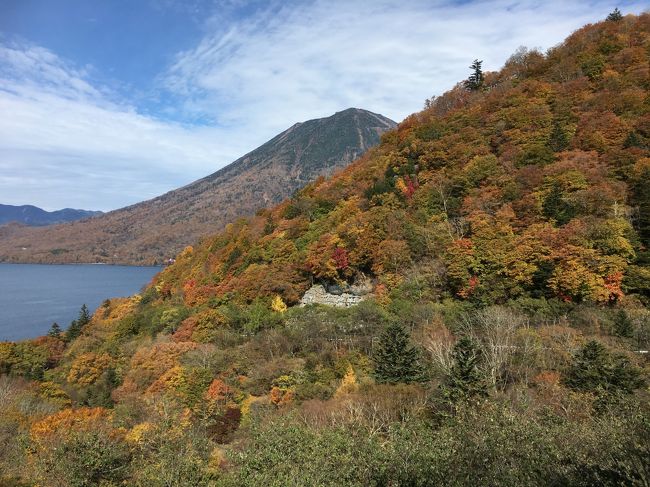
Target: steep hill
(503,233)
(534,184)
(34,216)
(158,229)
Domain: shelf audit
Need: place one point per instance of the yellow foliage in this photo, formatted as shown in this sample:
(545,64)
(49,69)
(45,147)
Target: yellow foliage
(169,381)
(68,420)
(348,383)
(278,305)
(87,368)
(52,390)
(137,434)
(217,460)
(401,187)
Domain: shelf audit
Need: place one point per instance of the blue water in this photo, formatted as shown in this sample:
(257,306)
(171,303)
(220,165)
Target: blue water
(32,297)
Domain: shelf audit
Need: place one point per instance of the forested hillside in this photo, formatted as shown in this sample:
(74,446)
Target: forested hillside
(502,233)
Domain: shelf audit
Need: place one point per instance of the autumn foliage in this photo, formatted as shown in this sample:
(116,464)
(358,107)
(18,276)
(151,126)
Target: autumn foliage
(504,232)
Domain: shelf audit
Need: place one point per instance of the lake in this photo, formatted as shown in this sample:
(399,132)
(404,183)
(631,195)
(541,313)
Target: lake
(33,296)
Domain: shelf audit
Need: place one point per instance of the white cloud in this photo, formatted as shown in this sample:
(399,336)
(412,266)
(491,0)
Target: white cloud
(295,61)
(66,140)
(63,142)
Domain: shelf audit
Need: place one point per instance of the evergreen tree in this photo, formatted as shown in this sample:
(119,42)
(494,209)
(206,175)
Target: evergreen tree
(615,16)
(84,316)
(558,140)
(634,140)
(465,380)
(623,325)
(640,198)
(475,80)
(395,359)
(594,369)
(74,330)
(55,330)
(556,207)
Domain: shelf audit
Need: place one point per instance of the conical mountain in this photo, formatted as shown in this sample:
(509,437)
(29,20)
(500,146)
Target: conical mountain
(155,230)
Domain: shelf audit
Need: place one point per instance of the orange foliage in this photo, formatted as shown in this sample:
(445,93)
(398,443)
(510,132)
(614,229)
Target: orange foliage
(87,368)
(217,391)
(281,397)
(68,420)
(148,364)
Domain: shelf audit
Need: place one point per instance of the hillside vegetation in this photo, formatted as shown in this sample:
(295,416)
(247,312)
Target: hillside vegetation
(153,231)
(504,230)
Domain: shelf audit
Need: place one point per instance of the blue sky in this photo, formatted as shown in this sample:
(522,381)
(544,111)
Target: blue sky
(109,102)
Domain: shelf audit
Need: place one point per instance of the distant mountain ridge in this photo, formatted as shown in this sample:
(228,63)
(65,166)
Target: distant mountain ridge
(157,229)
(35,216)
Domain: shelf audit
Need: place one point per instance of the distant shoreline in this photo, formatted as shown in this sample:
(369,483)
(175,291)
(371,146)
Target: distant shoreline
(80,263)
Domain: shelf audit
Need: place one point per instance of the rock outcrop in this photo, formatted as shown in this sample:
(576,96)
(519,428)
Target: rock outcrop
(340,296)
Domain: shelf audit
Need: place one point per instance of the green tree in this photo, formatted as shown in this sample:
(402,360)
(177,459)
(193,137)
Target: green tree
(475,80)
(623,325)
(465,380)
(556,207)
(640,198)
(594,369)
(84,316)
(395,359)
(55,330)
(558,140)
(74,330)
(615,15)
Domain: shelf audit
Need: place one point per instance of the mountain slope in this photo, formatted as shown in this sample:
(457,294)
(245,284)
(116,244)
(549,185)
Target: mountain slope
(34,216)
(158,229)
(533,185)
(505,233)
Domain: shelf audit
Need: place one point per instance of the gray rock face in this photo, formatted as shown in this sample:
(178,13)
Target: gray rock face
(317,294)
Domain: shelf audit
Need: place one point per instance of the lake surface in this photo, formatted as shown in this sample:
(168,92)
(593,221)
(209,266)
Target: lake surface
(32,297)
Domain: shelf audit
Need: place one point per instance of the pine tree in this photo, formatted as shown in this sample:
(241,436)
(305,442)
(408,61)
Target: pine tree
(475,80)
(465,380)
(594,369)
(55,330)
(74,330)
(556,207)
(640,198)
(615,16)
(558,140)
(395,359)
(633,140)
(84,316)
(623,325)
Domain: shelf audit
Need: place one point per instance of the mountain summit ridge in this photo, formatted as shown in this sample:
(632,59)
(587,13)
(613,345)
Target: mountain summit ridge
(34,216)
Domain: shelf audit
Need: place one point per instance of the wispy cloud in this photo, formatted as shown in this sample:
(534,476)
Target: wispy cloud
(296,60)
(65,142)
(67,139)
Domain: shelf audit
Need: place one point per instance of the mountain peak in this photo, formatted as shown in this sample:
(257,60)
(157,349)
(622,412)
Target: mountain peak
(155,230)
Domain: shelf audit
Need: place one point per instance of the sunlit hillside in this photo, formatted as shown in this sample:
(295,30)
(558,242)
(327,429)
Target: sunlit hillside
(494,248)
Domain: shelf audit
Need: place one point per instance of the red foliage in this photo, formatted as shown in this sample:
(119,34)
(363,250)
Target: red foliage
(411,186)
(613,285)
(340,256)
